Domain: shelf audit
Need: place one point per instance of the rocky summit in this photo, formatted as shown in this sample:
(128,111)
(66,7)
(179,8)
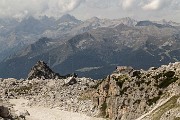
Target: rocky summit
(126,94)
(42,71)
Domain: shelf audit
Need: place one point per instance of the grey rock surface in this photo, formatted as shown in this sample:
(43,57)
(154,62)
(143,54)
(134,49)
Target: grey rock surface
(153,94)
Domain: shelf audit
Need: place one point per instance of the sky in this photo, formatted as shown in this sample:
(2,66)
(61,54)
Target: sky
(85,9)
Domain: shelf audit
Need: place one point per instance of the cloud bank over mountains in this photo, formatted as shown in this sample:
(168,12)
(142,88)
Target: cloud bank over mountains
(149,4)
(22,8)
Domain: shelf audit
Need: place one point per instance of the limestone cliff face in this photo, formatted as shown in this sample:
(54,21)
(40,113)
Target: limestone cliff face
(127,94)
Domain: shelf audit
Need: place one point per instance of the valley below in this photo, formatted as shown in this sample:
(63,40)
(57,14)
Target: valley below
(96,69)
(90,48)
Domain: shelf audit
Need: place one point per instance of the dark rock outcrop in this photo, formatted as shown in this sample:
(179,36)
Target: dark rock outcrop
(42,71)
(4,112)
(72,81)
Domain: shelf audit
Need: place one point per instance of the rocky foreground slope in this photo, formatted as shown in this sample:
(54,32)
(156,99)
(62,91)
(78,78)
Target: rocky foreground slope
(126,94)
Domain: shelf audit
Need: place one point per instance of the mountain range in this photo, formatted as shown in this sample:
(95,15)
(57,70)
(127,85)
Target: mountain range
(91,48)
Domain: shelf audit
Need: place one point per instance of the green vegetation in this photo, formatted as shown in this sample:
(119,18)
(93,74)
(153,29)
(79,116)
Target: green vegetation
(177,118)
(167,81)
(120,80)
(84,97)
(172,103)
(120,83)
(22,89)
(103,110)
(168,78)
(123,90)
(169,74)
(121,77)
(153,100)
(97,85)
(158,76)
(140,82)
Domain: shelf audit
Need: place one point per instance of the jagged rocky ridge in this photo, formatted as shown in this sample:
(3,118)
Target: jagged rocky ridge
(42,71)
(126,94)
(91,48)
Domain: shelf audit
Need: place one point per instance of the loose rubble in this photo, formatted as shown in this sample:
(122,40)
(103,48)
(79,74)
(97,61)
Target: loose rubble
(126,94)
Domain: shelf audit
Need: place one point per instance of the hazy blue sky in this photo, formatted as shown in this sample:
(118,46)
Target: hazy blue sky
(84,9)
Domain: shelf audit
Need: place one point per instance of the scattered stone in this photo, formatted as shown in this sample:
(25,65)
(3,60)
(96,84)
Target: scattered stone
(125,95)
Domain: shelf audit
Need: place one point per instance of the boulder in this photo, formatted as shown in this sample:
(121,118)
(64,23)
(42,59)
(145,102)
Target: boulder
(72,81)
(124,69)
(23,114)
(4,112)
(135,73)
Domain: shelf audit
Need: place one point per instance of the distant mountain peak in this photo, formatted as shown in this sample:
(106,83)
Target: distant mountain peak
(30,18)
(94,20)
(42,70)
(68,18)
(170,23)
(161,24)
(46,18)
(128,18)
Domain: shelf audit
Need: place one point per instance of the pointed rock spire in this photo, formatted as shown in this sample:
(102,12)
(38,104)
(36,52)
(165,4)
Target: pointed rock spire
(42,71)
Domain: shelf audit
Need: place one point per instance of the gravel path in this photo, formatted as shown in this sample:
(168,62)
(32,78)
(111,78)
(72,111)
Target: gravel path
(42,113)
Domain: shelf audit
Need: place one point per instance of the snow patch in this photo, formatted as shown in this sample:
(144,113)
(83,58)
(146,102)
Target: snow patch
(87,69)
(168,43)
(81,43)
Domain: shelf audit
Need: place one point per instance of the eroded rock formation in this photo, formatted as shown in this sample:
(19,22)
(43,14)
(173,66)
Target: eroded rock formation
(126,94)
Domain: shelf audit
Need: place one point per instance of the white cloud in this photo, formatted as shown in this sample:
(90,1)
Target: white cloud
(153,5)
(127,4)
(20,8)
(175,4)
(100,4)
(149,4)
(107,8)
(157,4)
